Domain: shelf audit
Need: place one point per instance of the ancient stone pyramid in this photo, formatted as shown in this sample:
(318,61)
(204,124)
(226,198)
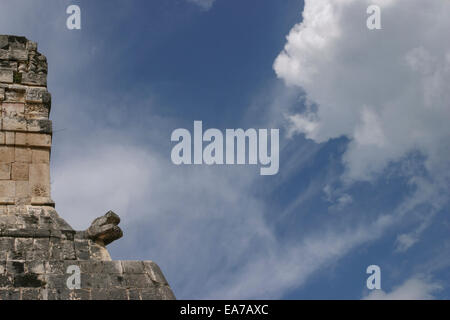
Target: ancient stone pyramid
(40,254)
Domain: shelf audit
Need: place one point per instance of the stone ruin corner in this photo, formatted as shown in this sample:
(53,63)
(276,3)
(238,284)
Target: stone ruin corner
(36,244)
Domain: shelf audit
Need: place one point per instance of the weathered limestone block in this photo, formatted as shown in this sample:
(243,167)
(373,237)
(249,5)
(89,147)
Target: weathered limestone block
(14,95)
(37,95)
(40,155)
(23,154)
(22,192)
(20,171)
(38,63)
(34,79)
(37,111)
(39,178)
(5,171)
(6,76)
(13,109)
(14,123)
(7,191)
(33,139)
(8,65)
(18,55)
(20,139)
(6,154)
(4,42)
(15,42)
(39,125)
(39,140)
(9,138)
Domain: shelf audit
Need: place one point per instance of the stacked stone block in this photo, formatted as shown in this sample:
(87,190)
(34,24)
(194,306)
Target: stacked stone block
(25,128)
(101,280)
(36,244)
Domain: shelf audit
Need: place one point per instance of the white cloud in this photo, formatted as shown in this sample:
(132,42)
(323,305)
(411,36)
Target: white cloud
(205,4)
(405,241)
(197,222)
(286,267)
(416,288)
(338,199)
(89,181)
(201,224)
(387,90)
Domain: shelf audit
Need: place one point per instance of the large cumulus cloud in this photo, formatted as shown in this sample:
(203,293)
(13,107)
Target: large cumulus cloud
(386,90)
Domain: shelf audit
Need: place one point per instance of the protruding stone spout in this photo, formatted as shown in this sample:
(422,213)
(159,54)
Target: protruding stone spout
(105,229)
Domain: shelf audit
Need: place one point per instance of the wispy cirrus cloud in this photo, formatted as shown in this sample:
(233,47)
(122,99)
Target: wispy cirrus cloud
(205,4)
(415,288)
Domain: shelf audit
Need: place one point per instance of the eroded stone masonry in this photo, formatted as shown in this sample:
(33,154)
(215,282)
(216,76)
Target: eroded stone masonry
(36,245)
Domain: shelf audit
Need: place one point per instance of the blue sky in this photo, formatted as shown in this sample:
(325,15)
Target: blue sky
(363,118)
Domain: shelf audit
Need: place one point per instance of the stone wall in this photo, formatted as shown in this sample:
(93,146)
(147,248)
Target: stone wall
(25,136)
(36,244)
(101,280)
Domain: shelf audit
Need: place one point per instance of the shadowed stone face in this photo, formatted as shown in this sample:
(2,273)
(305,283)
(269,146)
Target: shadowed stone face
(36,245)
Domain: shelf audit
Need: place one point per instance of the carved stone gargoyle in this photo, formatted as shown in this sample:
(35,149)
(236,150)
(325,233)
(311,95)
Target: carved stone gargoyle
(105,229)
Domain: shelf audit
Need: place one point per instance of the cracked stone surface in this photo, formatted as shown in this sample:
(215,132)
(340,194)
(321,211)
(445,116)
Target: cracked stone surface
(36,245)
